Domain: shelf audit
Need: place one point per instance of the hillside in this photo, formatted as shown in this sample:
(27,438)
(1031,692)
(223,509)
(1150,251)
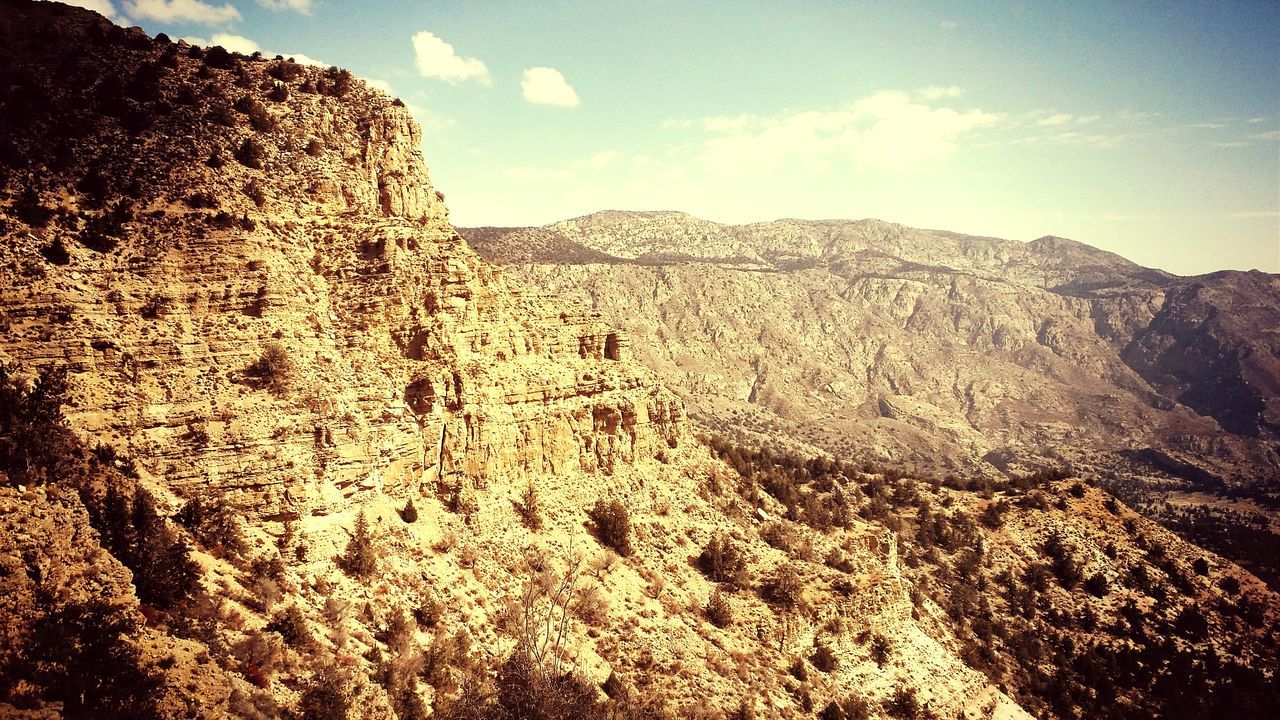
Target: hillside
(970,356)
(275,442)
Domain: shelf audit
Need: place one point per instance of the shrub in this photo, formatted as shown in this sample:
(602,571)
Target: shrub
(285,70)
(409,513)
(783,588)
(718,610)
(279,93)
(880,649)
(260,655)
(613,525)
(824,659)
(56,252)
(221,113)
(336,82)
(292,626)
(1097,585)
(526,690)
(723,562)
(315,148)
(260,118)
(591,606)
(218,57)
(903,704)
(213,522)
(398,635)
(327,696)
(993,514)
(530,514)
(428,613)
(360,559)
(781,536)
(163,570)
(30,210)
(851,708)
(81,654)
(273,369)
(255,193)
(252,153)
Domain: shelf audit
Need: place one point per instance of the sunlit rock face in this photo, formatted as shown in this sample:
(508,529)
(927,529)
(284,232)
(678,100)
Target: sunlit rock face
(871,339)
(213,210)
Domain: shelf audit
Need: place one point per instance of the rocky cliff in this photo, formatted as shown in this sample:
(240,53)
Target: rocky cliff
(930,347)
(293,220)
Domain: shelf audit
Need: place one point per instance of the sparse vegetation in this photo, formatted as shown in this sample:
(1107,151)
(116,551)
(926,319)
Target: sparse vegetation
(723,562)
(252,153)
(530,514)
(718,610)
(273,369)
(360,560)
(784,587)
(613,525)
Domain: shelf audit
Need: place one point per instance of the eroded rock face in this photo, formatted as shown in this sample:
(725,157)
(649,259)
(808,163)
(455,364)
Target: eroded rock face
(929,347)
(306,227)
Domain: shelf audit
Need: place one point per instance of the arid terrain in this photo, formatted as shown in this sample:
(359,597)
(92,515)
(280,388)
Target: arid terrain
(956,355)
(276,442)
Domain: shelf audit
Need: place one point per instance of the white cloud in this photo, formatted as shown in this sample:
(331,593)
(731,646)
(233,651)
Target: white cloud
(300,6)
(1256,120)
(427,119)
(546,86)
(948,24)
(1272,135)
(102,7)
(436,58)
(1254,215)
(382,85)
(885,130)
(242,44)
(236,43)
(937,92)
(195,11)
(574,170)
(302,59)
(1056,119)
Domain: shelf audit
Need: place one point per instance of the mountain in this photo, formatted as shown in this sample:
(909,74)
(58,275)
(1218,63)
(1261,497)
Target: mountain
(970,356)
(275,442)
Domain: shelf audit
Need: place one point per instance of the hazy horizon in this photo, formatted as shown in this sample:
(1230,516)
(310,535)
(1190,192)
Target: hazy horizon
(1150,132)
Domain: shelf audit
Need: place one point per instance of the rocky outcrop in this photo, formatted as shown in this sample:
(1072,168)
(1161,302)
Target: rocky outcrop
(296,218)
(871,339)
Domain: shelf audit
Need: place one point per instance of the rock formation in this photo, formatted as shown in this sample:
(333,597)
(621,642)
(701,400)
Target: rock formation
(404,360)
(312,456)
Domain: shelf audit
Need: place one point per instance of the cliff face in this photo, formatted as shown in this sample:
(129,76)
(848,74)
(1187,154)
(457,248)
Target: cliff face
(959,352)
(271,209)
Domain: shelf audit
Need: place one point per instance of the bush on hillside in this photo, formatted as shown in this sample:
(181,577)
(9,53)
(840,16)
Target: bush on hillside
(613,525)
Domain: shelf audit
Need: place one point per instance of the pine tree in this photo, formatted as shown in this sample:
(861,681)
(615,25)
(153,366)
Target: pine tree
(360,560)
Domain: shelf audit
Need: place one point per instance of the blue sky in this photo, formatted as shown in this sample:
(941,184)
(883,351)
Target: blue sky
(1148,129)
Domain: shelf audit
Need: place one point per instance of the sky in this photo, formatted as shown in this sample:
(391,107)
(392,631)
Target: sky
(1148,129)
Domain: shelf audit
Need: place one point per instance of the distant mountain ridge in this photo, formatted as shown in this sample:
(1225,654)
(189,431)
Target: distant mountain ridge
(1203,343)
